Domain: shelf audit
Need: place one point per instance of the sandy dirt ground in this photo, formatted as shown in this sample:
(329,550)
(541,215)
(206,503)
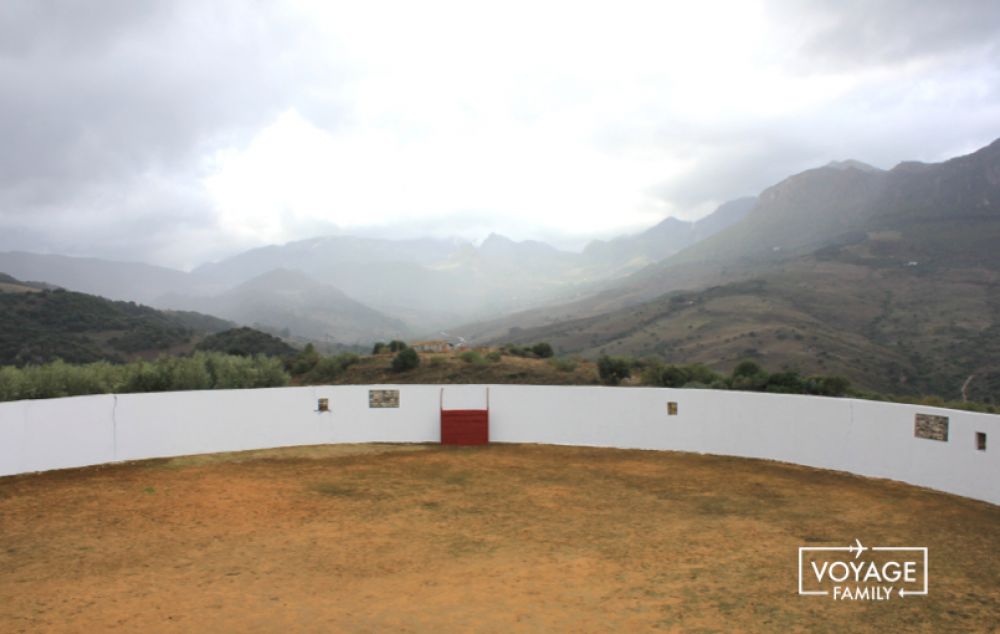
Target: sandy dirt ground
(505,538)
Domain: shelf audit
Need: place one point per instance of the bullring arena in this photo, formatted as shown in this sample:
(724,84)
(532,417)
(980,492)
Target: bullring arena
(326,509)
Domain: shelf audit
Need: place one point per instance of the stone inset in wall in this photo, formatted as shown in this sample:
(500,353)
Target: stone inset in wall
(383,398)
(931,427)
(672,408)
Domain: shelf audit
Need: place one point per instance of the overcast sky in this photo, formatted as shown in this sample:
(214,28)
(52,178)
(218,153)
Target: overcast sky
(179,132)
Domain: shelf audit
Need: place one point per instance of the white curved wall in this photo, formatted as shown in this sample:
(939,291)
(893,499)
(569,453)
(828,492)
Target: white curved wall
(862,437)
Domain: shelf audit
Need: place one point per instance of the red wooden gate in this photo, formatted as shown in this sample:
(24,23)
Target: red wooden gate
(465,426)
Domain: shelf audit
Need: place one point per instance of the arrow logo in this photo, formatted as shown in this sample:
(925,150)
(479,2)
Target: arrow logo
(858,548)
(850,579)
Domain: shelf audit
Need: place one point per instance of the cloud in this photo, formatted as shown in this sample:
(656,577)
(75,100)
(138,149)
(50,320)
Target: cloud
(107,110)
(845,34)
(182,131)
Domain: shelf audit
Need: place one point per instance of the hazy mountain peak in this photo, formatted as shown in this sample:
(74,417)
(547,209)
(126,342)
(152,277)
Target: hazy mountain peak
(988,154)
(281,278)
(853,164)
(666,238)
(496,244)
(911,166)
(495,239)
(992,149)
(131,281)
(823,182)
(289,299)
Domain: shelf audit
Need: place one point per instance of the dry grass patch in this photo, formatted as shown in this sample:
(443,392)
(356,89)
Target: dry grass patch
(496,539)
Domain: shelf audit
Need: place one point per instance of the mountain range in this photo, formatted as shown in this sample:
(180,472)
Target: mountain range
(889,277)
(350,290)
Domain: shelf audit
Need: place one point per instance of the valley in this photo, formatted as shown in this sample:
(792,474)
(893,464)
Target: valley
(886,277)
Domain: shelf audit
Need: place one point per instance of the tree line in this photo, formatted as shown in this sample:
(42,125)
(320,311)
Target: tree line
(200,371)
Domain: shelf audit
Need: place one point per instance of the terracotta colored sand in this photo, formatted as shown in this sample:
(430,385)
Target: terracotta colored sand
(495,539)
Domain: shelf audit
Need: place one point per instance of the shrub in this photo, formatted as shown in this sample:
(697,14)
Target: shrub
(673,376)
(437,361)
(694,375)
(786,383)
(149,377)
(747,369)
(245,342)
(52,380)
(397,346)
(748,376)
(542,350)
(329,368)
(613,370)
(515,350)
(829,385)
(304,361)
(700,373)
(11,383)
(380,347)
(405,359)
(473,357)
(650,375)
(269,372)
(696,385)
(494,356)
(660,375)
(230,372)
(563,364)
(190,374)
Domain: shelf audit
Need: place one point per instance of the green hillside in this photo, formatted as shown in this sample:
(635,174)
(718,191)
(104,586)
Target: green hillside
(245,342)
(889,328)
(47,324)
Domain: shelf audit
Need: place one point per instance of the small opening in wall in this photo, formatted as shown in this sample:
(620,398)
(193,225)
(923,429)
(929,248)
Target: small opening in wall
(324,405)
(672,408)
(981,440)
